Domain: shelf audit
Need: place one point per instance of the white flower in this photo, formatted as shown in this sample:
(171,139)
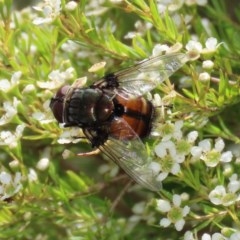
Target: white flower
(208,64)
(95,8)
(189,236)
(204,77)
(192,136)
(71,135)
(5,178)
(70,6)
(50,9)
(57,79)
(10,139)
(155,167)
(173,148)
(10,109)
(43,164)
(194,49)
(6,85)
(217,194)
(9,185)
(194,2)
(32,175)
(175,214)
(211,45)
(234,184)
(70,46)
(14,164)
(163,205)
(215,236)
(169,160)
(41,117)
(141,28)
(159,49)
(226,197)
(171,6)
(139,208)
(28,88)
(174,131)
(202,2)
(235,236)
(211,156)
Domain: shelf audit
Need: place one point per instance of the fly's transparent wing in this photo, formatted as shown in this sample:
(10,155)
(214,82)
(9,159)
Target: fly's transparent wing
(149,73)
(145,75)
(130,154)
(132,157)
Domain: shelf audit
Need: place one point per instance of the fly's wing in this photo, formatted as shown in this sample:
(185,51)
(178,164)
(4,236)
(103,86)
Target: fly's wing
(132,157)
(130,154)
(147,74)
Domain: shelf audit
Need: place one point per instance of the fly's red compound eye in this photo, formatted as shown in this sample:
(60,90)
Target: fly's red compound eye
(57,103)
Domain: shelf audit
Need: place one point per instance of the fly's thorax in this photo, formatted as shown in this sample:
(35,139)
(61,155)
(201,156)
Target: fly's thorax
(88,107)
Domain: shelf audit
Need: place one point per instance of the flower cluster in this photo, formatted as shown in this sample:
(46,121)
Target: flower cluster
(194,48)
(206,236)
(175,5)
(50,9)
(215,236)
(172,149)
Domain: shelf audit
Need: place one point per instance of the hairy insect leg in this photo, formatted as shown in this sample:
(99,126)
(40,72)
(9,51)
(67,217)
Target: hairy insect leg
(91,153)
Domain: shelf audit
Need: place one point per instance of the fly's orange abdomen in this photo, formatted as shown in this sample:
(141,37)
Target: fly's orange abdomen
(138,113)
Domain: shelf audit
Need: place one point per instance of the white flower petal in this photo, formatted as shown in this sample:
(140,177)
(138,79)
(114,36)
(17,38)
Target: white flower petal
(194,45)
(43,164)
(196,151)
(5,178)
(163,205)
(175,168)
(219,144)
(206,236)
(70,6)
(204,77)
(185,211)
(192,136)
(205,145)
(226,156)
(217,194)
(211,43)
(179,224)
(155,167)
(139,208)
(32,175)
(188,236)
(17,178)
(177,200)
(165,222)
(208,64)
(5,85)
(161,176)
(218,236)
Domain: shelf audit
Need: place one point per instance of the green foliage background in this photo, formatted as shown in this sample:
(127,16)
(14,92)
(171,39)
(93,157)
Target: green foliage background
(70,199)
